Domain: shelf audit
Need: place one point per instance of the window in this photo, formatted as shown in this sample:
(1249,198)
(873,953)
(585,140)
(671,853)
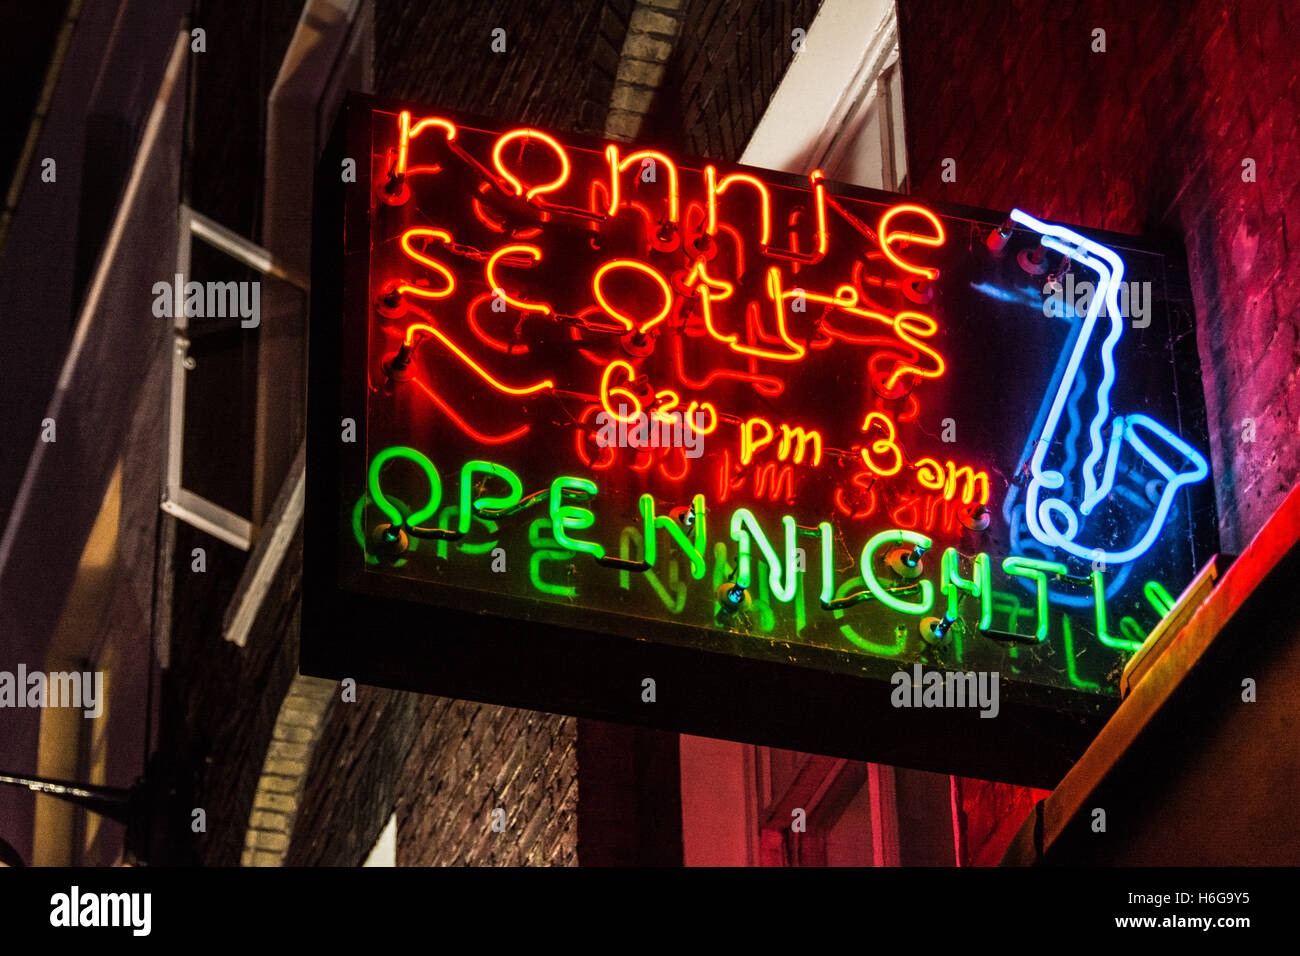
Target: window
(839,106)
(234,409)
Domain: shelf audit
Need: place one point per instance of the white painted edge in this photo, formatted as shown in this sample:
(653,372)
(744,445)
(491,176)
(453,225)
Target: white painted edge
(820,86)
(269,558)
(384,852)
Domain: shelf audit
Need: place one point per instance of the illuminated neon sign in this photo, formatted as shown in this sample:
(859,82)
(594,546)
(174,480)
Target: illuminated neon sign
(896,455)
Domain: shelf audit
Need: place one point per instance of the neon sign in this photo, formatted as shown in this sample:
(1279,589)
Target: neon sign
(896,455)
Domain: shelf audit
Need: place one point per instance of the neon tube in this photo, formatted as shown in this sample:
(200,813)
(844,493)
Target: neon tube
(515,184)
(873,583)
(1037,572)
(377,492)
(887,238)
(489,271)
(567,517)
(980,585)
(468,508)
(742,519)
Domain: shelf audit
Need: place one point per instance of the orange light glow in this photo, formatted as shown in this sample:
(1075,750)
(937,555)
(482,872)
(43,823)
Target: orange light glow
(925,513)
(618,166)
(471,319)
(407,132)
(481,215)
(844,297)
(697,406)
(817,179)
(795,440)
(699,275)
(714,188)
(906,326)
(580,435)
(777,476)
(489,272)
(665,401)
(607,392)
(768,385)
(630,322)
(416,290)
(795,352)
(739,243)
(478,369)
(864,482)
(751,445)
(686,465)
(945,478)
(515,184)
(465,426)
(887,446)
(887,238)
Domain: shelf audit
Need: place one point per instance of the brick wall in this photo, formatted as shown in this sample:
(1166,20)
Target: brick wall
(647,47)
(220,701)
(443,766)
(351,784)
(729,59)
(471,760)
(557,69)
(1147,137)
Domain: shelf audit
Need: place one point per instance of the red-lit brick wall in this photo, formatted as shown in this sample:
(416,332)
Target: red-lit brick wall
(1146,137)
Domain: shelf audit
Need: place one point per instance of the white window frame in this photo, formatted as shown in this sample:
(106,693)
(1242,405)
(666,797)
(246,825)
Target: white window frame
(178,500)
(848,61)
(332,36)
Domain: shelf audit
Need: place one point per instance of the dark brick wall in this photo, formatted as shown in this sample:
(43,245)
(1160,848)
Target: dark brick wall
(351,782)
(442,766)
(557,69)
(1146,137)
(730,57)
(470,760)
(220,701)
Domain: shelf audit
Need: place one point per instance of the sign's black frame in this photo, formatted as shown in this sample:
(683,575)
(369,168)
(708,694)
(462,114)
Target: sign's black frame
(593,670)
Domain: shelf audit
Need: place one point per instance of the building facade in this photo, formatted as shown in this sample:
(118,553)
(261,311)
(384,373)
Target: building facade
(154,485)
